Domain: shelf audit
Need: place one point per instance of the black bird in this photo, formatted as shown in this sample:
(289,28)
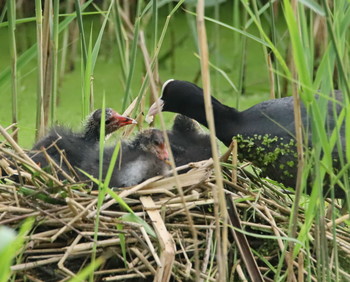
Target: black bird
(139,159)
(76,145)
(265,132)
(187,143)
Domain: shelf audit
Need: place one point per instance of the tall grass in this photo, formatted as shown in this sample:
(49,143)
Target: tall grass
(133,53)
(322,163)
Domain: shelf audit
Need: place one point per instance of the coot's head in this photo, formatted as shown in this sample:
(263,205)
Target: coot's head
(185,125)
(178,96)
(152,141)
(113,121)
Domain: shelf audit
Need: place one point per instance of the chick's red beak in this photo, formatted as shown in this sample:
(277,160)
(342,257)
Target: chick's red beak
(118,120)
(162,152)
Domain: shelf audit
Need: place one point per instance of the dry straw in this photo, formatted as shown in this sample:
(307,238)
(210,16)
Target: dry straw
(61,242)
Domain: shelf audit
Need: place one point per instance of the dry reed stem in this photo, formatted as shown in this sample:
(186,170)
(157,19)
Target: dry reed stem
(338,221)
(208,249)
(166,241)
(65,256)
(40,53)
(218,193)
(179,185)
(234,161)
(144,260)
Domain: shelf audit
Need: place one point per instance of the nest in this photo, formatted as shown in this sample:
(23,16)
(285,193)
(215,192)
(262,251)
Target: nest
(181,232)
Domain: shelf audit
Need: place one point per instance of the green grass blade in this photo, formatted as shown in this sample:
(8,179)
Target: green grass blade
(343,76)
(13,247)
(81,31)
(87,99)
(2,15)
(274,38)
(122,242)
(101,188)
(347,134)
(102,140)
(112,164)
(155,23)
(314,6)
(131,217)
(298,51)
(223,73)
(87,271)
(261,11)
(97,45)
(120,32)
(41,196)
(8,236)
(132,56)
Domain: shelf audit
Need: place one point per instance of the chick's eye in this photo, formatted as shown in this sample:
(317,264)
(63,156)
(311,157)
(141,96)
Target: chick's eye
(156,142)
(108,121)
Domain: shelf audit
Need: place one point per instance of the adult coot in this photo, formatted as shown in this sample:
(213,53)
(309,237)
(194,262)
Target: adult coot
(265,132)
(139,159)
(76,145)
(187,143)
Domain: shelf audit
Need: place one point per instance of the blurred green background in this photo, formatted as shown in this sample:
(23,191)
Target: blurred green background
(176,60)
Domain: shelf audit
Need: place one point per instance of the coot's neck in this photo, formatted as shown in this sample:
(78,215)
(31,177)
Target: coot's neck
(91,134)
(226,119)
(227,123)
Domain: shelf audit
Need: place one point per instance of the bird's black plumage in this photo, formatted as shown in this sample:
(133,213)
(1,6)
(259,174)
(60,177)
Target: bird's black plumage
(74,145)
(139,159)
(265,132)
(187,143)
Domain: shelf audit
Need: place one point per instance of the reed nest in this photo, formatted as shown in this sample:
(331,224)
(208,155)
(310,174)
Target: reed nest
(61,241)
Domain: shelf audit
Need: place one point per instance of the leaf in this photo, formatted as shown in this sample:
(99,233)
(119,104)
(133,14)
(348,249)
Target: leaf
(82,275)
(99,38)
(11,246)
(122,243)
(314,6)
(136,219)
(41,196)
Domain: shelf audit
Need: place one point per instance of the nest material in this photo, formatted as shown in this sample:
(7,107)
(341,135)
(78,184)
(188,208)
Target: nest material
(61,242)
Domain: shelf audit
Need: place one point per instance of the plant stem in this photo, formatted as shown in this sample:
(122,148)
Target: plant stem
(55,61)
(11,14)
(40,87)
(219,194)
